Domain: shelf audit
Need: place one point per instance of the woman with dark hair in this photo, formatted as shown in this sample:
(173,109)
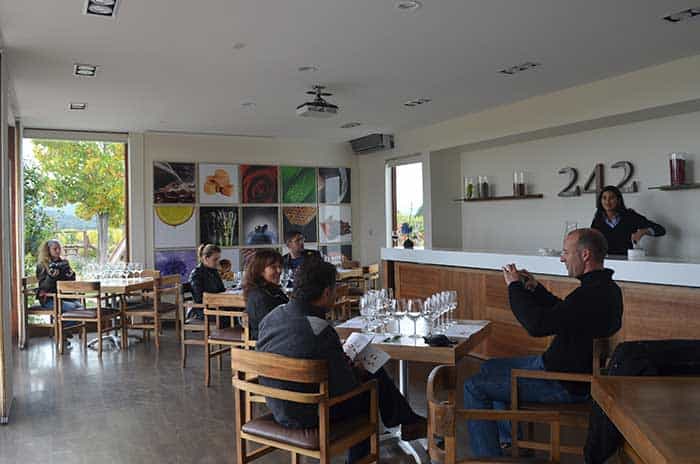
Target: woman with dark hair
(620,225)
(205,277)
(261,287)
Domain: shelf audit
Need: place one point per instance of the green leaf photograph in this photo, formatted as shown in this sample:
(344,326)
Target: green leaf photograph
(298,185)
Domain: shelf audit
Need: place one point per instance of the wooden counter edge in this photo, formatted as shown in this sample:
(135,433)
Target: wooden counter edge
(630,430)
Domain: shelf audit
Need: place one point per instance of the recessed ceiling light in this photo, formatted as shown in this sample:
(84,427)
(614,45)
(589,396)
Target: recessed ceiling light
(104,8)
(308,68)
(248,105)
(350,125)
(408,5)
(683,15)
(519,68)
(238,45)
(84,70)
(77,106)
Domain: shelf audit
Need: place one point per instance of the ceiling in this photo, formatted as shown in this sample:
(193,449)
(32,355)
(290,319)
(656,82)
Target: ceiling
(171,65)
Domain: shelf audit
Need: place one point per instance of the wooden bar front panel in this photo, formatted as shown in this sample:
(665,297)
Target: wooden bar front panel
(650,311)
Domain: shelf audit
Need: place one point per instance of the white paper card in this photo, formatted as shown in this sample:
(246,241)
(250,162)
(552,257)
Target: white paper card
(358,347)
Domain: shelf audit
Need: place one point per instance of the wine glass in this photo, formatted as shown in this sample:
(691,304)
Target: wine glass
(138,269)
(401,311)
(415,311)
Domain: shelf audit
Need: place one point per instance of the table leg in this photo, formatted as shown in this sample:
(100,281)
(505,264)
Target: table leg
(417,448)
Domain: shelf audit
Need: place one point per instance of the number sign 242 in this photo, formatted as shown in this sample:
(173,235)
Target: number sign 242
(596,179)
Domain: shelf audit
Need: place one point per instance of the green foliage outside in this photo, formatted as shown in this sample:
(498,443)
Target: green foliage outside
(89,175)
(38,226)
(418,225)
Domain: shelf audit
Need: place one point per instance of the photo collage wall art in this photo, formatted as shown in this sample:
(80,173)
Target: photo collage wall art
(243,207)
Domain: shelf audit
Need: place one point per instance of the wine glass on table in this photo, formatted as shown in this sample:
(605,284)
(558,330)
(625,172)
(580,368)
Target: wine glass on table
(415,311)
(138,270)
(400,313)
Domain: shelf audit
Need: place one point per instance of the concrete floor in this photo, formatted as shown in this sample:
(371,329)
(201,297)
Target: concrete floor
(132,407)
(139,406)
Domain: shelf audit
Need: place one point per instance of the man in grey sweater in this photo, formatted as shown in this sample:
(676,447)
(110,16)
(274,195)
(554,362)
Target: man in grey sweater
(299,329)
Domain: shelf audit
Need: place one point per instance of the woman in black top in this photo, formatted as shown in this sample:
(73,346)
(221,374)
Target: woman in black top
(50,269)
(205,277)
(620,225)
(261,287)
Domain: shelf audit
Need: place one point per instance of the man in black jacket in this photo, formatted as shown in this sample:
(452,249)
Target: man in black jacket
(299,330)
(593,310)
(294,240)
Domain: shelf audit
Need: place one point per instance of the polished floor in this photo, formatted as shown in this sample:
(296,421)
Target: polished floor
(135,406)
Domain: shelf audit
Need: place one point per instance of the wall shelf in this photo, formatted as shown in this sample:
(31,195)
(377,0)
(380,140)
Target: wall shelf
(533,196)
(676,187)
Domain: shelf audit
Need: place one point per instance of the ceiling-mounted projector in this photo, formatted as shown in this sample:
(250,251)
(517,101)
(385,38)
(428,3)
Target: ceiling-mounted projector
(319,107)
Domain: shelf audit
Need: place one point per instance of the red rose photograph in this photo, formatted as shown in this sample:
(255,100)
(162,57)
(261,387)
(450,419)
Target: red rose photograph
(259,184)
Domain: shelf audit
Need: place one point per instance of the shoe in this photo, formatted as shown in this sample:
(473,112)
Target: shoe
(414,430)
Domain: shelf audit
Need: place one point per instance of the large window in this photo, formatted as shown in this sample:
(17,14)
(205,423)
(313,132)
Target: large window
(75,191)
(407,204)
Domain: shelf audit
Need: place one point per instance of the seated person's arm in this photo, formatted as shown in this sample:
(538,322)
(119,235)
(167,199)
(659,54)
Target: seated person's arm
(537,314)
(341,376)
(197,287)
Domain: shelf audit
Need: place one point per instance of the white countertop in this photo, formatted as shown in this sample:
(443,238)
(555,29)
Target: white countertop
(652,270)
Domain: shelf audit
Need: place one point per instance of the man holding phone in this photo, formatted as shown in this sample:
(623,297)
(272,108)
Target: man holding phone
(593,310)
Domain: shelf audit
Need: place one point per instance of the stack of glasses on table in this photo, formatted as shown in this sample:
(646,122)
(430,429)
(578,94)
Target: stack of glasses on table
(105,271)
(382,313)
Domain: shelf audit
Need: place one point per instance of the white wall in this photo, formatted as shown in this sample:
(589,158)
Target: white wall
(445,184)
(646,89)
(527,225)
(229,149)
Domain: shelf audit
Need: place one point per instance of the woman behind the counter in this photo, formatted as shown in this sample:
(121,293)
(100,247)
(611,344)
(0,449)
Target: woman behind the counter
(620,225)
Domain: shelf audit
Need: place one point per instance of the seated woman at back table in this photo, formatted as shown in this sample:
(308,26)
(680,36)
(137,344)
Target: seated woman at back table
(261,287)
(621,226)
(205,277)
(50,269)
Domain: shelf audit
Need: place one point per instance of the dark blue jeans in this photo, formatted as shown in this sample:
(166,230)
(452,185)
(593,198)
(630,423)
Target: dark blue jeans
(66,305)
(490,389)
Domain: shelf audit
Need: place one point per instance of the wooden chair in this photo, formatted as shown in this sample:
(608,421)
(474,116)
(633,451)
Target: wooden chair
(341,309)
(320,443)
(155,307)
(372,277)
(29,292)
(443,417)
(574,415)
(220,340)
(189,325)
(103,317)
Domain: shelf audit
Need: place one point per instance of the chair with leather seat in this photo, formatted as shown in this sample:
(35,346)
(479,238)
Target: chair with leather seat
(94,313)
(323,442)
(443,417)
(151,311)
(219,340)
(29,293)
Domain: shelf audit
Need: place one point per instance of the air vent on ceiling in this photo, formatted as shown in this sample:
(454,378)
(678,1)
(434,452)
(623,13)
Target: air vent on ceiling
(683,15)
(103,8)
(519,68)
(77,106)
(371,143)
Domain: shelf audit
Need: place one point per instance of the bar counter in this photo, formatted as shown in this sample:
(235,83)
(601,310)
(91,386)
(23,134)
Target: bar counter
(661,296)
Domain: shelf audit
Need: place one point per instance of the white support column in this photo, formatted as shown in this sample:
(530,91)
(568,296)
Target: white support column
(137,201)
(5,254)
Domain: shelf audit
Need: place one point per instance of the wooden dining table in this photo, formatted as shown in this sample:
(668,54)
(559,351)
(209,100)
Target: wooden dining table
(407,349)
(114,288)
(659,417)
